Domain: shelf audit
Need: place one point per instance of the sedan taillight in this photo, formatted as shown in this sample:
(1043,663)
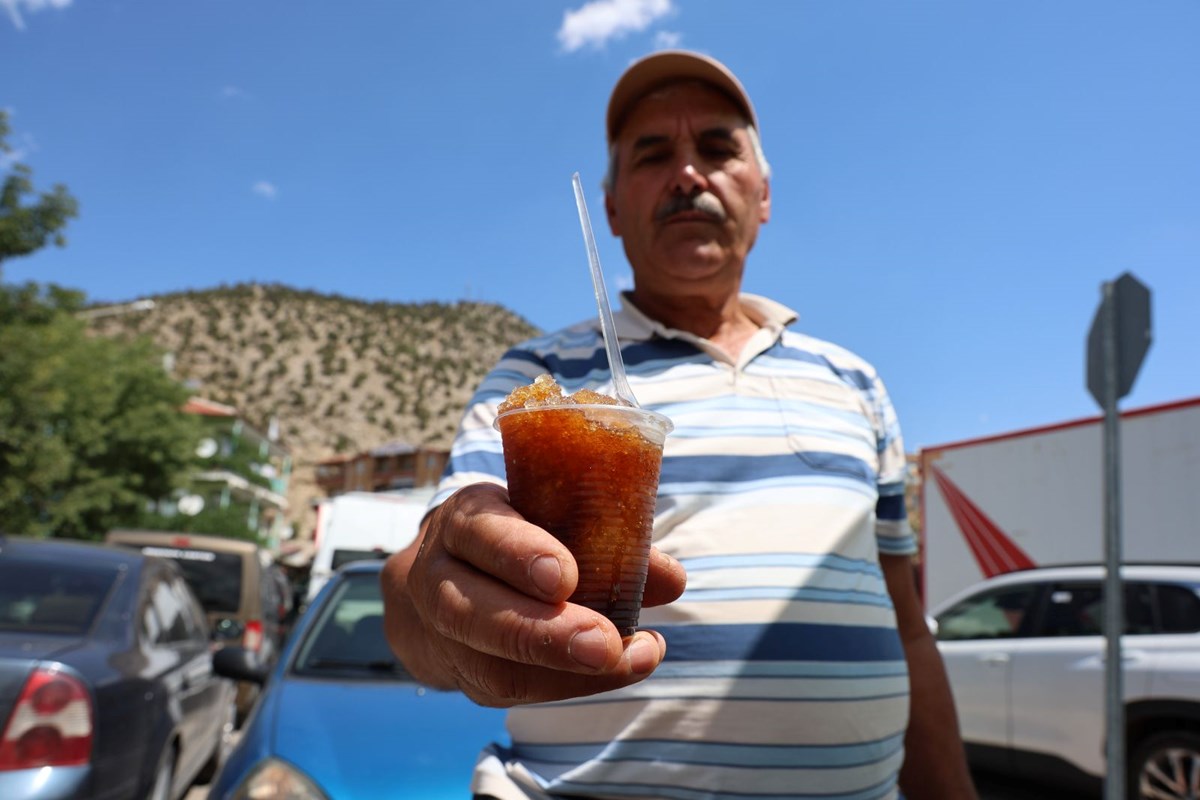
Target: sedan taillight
(51,724)
(252,635)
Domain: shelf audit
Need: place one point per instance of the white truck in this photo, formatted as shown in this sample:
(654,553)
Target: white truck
(1035,498)
(363,525)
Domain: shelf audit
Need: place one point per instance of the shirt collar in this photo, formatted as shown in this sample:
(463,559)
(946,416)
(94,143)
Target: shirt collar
(632,324)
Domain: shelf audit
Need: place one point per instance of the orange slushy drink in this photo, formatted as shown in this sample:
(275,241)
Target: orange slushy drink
(586,468)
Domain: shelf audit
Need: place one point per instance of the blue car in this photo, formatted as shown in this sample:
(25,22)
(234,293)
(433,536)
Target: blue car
(340,719)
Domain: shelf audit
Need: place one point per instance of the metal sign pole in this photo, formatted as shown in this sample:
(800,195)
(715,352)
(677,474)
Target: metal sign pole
(1116,346)
(1114,788)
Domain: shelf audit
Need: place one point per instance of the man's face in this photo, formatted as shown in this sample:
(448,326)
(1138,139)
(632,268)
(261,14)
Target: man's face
(688,194)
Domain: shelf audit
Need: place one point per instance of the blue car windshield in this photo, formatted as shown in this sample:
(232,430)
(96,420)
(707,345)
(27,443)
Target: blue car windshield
(347,638)
(59,598)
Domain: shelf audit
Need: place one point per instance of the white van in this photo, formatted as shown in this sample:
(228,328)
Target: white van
(360,526)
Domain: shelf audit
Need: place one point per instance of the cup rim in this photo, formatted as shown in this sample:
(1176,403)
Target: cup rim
(661,419)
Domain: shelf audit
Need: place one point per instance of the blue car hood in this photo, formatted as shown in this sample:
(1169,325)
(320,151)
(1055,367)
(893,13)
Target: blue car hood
(373,739)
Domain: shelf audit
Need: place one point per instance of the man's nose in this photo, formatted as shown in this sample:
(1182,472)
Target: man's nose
(688,179)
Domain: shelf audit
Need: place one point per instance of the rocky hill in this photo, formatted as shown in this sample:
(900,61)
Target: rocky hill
(339,375)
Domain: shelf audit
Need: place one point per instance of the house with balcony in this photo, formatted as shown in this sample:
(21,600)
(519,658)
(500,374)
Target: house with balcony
(240,488)
(392,467)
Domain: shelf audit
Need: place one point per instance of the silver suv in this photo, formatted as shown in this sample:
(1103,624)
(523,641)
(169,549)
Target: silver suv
(1025,656)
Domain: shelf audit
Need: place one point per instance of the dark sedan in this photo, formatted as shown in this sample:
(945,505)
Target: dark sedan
(106,682)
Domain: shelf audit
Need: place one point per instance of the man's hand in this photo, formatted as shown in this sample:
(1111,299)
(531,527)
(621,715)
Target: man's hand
(478,603)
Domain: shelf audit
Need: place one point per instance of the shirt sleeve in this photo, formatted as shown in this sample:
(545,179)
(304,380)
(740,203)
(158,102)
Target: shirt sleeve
(893,535)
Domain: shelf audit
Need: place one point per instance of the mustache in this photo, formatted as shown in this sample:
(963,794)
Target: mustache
(704,202)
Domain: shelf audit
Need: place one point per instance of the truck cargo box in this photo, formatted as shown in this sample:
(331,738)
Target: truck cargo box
(1036,497)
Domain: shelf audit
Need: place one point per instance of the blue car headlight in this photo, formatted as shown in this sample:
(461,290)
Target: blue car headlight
(274,779)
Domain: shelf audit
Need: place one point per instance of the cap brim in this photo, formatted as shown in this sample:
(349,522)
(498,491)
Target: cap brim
(669,66)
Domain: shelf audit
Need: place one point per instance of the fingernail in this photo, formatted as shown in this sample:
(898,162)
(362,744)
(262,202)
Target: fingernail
(589,648)
(643,655)
(546,574)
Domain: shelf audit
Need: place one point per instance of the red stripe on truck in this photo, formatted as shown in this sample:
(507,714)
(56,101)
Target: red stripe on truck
(993,551)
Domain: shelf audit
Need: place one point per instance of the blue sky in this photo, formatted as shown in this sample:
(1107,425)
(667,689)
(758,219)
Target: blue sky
(953,180)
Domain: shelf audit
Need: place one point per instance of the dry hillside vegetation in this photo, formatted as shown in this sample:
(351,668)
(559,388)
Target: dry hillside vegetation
(340,375)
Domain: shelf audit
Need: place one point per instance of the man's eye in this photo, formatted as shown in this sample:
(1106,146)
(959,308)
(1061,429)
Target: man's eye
(651,157)
(720,152)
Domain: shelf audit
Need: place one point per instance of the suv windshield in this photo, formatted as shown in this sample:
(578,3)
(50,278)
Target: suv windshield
(216,578)
(59,598)
(347,638)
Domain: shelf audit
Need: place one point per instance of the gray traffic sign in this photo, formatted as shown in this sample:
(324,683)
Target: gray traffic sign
(1129,301)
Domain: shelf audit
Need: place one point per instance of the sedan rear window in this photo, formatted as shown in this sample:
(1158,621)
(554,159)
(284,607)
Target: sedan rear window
(57,599)
(216,578)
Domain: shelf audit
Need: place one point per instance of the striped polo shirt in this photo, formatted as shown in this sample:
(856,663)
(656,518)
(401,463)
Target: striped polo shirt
(781,484)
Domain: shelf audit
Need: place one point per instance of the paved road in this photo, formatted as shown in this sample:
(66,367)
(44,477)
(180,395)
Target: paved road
(991,787)
(999,787)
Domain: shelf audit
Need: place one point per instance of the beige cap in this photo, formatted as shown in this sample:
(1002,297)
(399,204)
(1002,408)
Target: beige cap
(668,66)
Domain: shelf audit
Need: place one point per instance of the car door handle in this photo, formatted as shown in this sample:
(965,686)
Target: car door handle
(994,659)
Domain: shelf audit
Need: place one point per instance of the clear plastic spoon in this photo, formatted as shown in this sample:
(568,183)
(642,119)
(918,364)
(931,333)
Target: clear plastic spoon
(615,364)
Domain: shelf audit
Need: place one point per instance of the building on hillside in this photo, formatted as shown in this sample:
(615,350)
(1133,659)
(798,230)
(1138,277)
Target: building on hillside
(244,476)
(391,467)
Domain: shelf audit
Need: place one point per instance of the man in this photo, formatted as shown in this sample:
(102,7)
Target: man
(787,667)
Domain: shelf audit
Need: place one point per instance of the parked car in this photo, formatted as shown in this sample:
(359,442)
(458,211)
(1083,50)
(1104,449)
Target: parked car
(238,587)
(1025,653)
(107,688)
(358,526)
(340,719)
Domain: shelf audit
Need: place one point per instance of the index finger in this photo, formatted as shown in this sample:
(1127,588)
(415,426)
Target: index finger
(479,526)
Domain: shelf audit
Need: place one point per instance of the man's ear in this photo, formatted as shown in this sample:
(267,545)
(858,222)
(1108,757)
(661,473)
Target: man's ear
(764,205)
(610,209)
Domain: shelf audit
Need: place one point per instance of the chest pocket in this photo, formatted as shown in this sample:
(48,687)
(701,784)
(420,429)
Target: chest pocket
(829,428)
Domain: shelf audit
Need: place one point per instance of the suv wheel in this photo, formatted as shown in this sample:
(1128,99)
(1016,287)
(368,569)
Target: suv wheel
(1166,767)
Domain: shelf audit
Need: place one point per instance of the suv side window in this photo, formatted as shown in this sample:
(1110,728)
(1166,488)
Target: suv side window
(1139,609)
(996,614)
(1180,608)
(1076,608)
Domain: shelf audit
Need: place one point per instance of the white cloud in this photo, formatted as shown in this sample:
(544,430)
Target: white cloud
(595,22)
(232,92)
(265,189)
(14,7)
(667,40)
(20,145)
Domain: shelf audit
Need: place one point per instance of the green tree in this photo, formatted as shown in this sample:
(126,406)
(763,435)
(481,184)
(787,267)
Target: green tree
(26,227)
(90,428)
(212,521)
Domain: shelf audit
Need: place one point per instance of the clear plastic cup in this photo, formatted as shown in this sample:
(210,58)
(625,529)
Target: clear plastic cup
(588,474)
